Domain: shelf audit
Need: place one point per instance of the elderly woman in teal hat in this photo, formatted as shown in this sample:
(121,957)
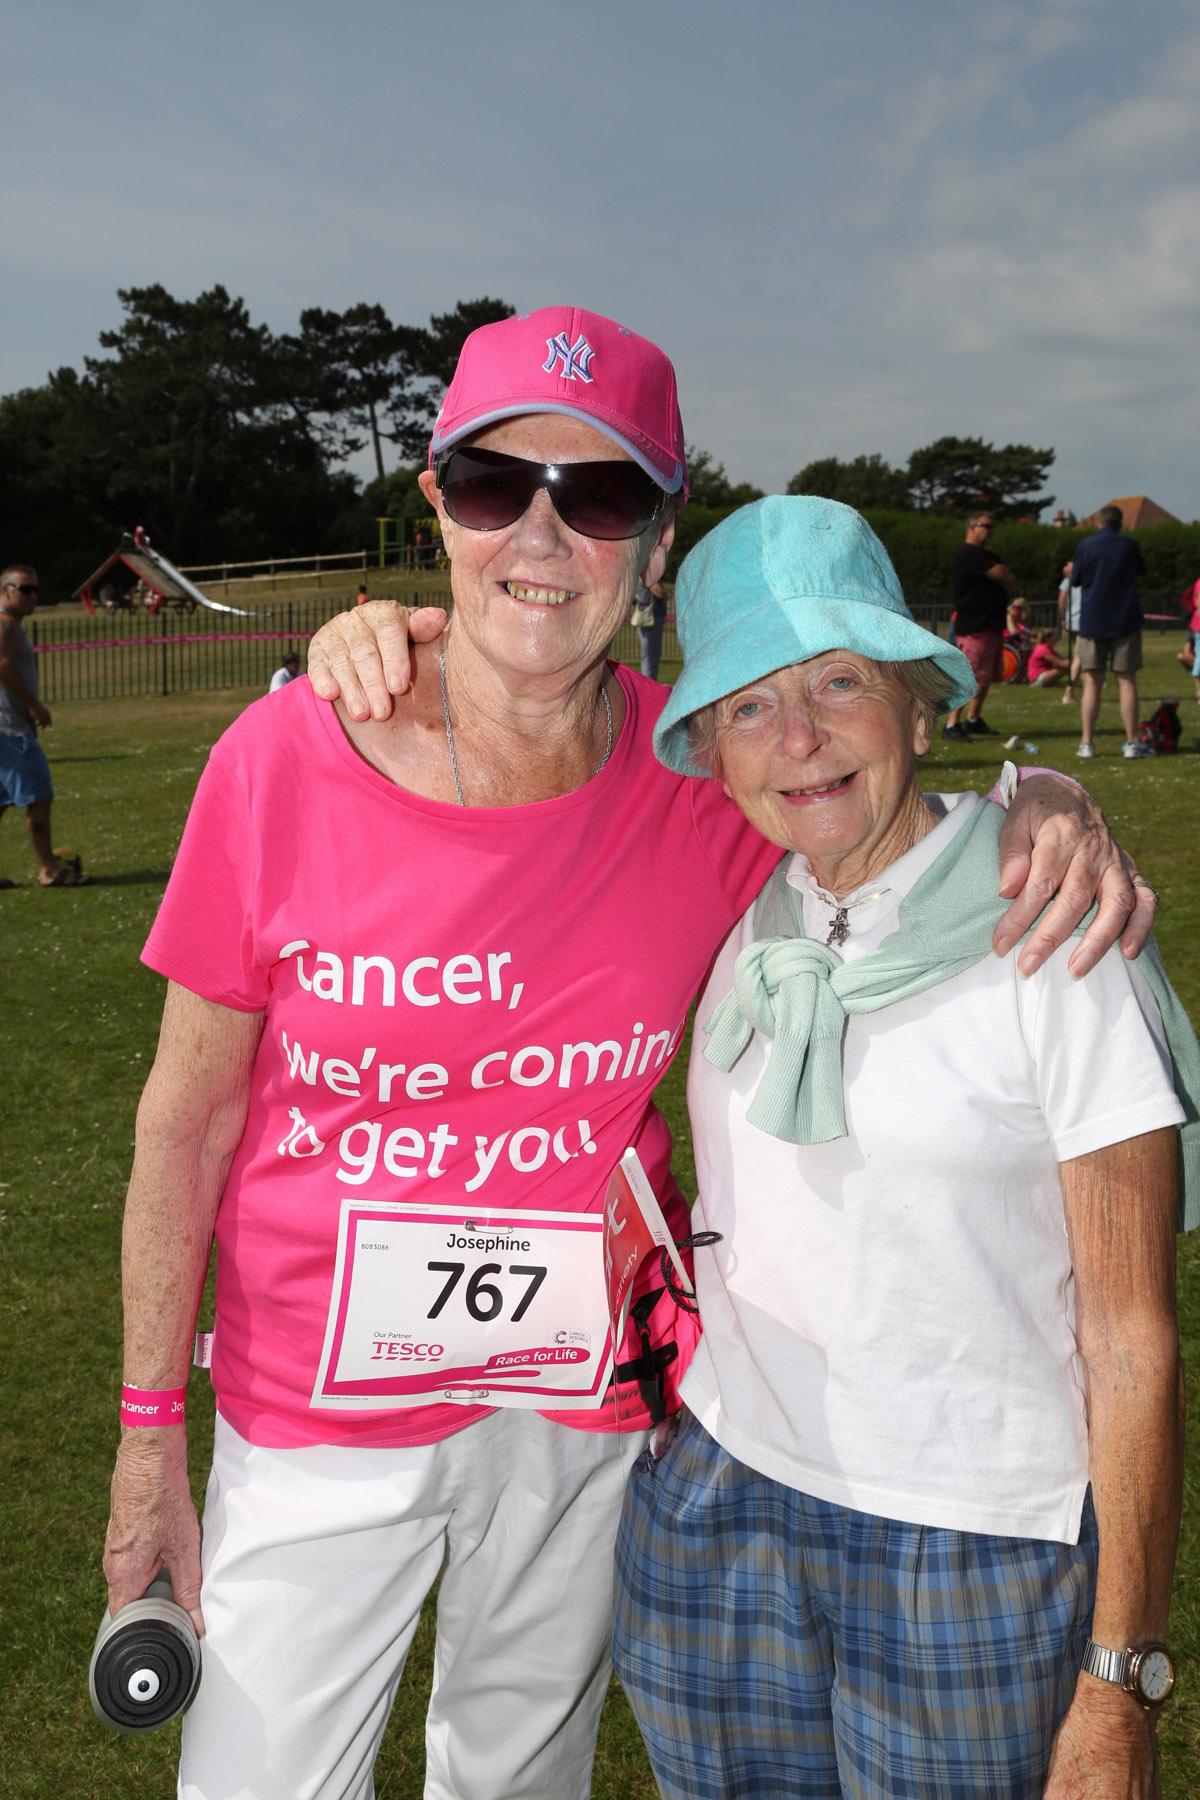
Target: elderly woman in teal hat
(916,1532)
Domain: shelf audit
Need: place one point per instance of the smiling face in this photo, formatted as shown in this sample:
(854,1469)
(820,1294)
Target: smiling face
(536,599)
(821,758)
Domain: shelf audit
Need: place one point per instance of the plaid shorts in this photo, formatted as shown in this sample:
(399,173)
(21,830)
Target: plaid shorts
(776,1647)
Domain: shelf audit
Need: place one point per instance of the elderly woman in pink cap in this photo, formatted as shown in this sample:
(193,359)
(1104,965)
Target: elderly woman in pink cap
(408,1033)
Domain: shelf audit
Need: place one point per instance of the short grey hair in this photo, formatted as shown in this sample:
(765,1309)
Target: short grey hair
(923,680)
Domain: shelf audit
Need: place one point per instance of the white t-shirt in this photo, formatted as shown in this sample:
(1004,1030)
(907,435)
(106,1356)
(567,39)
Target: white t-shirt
(1072,599)
(281,678)
(889,1318)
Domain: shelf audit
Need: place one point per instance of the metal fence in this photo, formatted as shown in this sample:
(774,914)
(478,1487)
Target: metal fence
(271,568)
(128,656)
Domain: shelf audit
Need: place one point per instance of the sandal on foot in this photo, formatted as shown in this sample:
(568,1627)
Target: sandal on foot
(67,874)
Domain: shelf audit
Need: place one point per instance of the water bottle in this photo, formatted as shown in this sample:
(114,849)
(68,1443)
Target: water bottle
(145,1666)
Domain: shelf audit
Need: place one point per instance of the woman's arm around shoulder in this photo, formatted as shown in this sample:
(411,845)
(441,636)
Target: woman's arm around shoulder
(361,657)
(1057,855)
(1056,845)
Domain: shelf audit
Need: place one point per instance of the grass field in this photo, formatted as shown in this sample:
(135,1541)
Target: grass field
(82,1018)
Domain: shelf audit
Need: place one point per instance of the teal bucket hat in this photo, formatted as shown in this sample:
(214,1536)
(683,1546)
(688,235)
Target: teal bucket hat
(777,582)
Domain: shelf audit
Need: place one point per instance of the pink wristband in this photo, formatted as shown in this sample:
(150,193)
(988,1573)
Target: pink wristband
(152,1406)
(1011,778)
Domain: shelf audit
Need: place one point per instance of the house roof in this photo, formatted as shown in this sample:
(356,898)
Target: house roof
(157,571)
(146,569)
(1138,512)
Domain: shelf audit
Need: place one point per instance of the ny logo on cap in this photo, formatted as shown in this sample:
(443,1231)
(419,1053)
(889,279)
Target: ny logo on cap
(575,358)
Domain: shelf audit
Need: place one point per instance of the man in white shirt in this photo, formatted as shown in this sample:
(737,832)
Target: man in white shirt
(287,671)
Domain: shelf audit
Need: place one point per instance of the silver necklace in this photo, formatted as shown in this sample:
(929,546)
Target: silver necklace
(839,925)
(450,745)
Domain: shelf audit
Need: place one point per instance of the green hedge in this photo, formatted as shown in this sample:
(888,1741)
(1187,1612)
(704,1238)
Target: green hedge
(922,546)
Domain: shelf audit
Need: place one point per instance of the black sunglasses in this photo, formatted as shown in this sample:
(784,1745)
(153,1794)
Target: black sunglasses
(486,490)
(24,587)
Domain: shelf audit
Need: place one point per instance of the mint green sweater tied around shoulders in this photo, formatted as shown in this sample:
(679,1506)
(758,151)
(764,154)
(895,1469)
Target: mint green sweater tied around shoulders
(796,992)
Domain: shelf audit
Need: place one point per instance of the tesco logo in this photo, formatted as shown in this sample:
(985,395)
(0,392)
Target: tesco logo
(406,1352)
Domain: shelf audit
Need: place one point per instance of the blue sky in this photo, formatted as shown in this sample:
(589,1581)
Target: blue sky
(854,226)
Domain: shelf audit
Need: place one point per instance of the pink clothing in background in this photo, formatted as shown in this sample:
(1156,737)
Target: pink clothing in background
(1041,661)
(982,650)
(507,985)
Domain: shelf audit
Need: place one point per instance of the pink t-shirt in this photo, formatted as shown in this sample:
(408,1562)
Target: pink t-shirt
(1040,660)
(508,985)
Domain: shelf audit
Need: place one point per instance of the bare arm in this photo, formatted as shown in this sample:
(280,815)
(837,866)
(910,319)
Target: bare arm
(1003,574)
(190,1122)
(1120,1213)
(11,678)
(1064,595)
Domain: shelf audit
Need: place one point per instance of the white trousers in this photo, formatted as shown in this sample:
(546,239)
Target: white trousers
(316,1563)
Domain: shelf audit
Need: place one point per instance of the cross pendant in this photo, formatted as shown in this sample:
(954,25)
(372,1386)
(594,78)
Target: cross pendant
(839,930)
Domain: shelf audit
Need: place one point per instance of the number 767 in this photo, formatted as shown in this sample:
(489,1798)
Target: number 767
(483,1299)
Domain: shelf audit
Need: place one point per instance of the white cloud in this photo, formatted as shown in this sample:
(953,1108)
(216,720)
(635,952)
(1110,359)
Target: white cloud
(1049,278)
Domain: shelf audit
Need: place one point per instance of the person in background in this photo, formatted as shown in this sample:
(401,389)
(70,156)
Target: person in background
(916,1533)
(1045,665)
(1018,638)
(1016,622)
(1189,656)
(981,584)
(24,772)
(1068,621)
(649,614)
(1106,569)
(287,671)
(362,596)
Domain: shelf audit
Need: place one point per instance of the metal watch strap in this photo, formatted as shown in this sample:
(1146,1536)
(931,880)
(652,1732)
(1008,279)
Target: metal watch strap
(1108,1665)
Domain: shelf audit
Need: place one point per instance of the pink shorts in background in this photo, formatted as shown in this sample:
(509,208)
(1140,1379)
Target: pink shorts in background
(982,651)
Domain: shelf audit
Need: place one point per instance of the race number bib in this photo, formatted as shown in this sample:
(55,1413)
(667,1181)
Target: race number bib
(442,1303)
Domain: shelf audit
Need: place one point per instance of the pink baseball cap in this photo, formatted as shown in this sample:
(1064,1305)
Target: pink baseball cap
(562,359)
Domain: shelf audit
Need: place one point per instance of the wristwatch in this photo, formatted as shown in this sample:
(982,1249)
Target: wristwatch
(1147,1671)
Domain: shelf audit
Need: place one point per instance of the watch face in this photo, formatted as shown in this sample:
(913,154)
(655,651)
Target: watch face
(1155,1676)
